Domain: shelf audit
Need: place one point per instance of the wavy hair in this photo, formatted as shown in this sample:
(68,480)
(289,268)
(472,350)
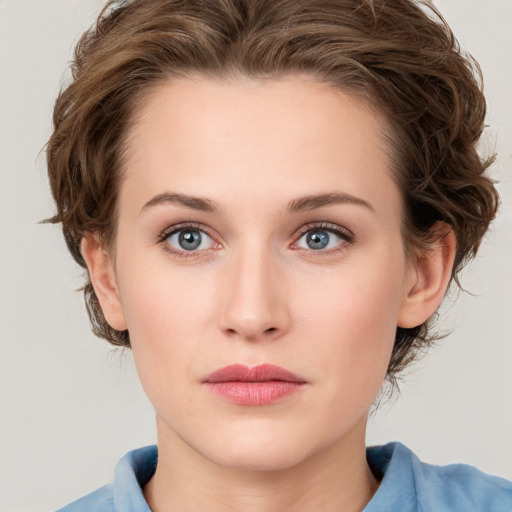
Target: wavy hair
(400,56)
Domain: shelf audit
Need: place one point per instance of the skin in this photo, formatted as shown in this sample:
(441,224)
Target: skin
(256,292)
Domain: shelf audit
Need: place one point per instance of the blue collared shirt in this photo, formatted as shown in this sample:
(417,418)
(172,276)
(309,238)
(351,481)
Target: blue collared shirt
(408,485)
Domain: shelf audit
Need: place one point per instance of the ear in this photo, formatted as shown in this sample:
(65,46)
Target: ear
(429,278)
(103,279)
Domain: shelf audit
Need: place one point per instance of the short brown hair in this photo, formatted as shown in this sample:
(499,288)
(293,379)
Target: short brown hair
(398,55)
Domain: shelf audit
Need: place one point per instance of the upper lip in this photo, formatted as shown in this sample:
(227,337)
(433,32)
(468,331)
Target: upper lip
(259,373)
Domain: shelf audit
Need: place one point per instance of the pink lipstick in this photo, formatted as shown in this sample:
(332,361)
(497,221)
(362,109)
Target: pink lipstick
(258,385)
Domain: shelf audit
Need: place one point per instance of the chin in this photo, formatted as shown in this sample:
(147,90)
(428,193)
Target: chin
(260,452)
(259,460)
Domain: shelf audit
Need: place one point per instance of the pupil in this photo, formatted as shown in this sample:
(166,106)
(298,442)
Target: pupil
(190,240)
(318,239)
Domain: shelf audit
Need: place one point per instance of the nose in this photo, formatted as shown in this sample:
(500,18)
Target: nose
(254,304)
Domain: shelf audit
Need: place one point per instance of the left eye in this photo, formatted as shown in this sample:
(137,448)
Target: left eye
(319,239)
(189,240)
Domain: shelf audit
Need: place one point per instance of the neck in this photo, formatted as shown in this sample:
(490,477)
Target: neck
(336,479)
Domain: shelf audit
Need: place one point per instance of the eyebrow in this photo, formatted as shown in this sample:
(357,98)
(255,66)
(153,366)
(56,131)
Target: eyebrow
(301,204)
(196,203)
(313,202)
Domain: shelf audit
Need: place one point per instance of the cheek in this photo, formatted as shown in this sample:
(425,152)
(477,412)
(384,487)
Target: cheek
(166,312)
(352,326)
(158,298)
(163,314)
(166,332)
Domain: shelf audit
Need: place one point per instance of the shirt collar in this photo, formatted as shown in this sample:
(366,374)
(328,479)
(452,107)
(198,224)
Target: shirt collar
(397,487)
(396,491)
(132,472)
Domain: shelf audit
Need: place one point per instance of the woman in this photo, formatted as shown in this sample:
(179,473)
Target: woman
(271,199)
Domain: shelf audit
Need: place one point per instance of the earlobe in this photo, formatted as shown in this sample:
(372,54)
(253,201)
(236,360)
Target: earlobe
(101,272)
(429,278)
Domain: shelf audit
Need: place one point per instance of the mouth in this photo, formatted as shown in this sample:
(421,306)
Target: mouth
(254,386)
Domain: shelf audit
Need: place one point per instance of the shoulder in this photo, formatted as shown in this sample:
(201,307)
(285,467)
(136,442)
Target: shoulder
(418,486)
(464,486)
(125,493)
(101,500)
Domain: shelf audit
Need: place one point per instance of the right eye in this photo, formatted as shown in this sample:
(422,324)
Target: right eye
(187,239)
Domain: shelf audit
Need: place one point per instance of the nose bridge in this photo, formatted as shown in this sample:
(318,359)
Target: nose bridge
(254,304)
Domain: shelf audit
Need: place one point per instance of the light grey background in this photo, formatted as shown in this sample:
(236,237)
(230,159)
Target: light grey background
(71,406)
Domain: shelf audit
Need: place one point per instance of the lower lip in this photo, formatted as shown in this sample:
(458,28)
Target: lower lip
(254,393)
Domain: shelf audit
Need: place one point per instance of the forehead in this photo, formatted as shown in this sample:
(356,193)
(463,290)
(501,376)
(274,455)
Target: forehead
(246,138)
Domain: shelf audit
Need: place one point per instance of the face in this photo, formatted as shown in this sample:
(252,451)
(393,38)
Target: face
(259,224)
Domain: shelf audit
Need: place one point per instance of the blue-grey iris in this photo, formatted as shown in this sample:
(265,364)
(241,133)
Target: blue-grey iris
(317,239)
(189,240)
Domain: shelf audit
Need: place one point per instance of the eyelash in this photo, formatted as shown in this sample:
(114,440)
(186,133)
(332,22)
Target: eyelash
(344,234)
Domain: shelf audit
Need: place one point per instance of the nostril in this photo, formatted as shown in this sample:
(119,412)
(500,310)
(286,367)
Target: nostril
(270,329)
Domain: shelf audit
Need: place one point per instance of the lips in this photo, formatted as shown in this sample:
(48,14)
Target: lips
(260,373)
(258,385)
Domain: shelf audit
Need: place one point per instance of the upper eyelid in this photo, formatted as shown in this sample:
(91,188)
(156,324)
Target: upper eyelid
(327,226)
(167,232)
